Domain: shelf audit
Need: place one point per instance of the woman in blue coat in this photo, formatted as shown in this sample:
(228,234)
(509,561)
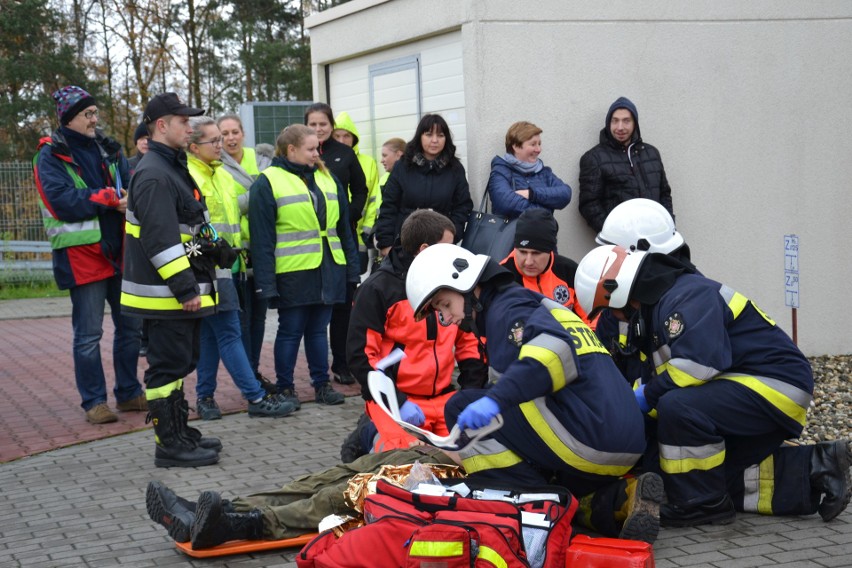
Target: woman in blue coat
(520,180)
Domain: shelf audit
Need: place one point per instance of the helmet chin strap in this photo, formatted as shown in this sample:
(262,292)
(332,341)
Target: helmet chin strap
(471,305)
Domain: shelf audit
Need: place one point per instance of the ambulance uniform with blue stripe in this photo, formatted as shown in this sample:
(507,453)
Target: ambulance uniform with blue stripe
(730,386)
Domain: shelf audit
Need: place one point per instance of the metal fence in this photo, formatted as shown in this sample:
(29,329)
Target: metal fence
(23,250)
(20,218)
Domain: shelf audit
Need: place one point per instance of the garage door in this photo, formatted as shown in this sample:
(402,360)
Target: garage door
(387,92)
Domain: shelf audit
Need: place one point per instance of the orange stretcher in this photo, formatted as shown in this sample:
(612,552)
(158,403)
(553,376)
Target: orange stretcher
(244,546)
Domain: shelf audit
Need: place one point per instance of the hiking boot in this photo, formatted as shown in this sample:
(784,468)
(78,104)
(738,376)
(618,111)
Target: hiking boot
(829,475)
(173,448)
(180,407)
(352,448)
(270,405)
(643,509)
(288,395)
(327,395)
(213,525)
(344,377)
(100,414)
(207,409)
(266,384)
(721,512)
(165,508)
(137,404)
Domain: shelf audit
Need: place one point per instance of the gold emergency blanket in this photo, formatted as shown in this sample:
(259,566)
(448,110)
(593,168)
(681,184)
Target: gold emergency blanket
(364,484)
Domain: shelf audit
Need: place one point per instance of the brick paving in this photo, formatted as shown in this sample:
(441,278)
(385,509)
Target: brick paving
(39,404)
(83,505)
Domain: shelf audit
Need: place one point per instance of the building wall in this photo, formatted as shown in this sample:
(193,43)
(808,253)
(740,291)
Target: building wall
(745,101)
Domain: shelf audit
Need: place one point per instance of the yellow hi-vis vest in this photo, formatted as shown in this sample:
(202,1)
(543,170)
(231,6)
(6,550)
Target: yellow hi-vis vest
(249,164)
(299,243)
(62,234)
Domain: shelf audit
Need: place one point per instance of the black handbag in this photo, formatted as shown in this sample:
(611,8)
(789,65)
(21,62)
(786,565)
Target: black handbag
(487,233)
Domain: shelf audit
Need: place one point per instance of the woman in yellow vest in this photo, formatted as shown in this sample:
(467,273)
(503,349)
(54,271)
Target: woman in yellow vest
(303,253)
(244,164)
(220,332)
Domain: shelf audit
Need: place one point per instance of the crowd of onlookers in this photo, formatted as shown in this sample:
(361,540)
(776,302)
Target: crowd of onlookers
(612,376)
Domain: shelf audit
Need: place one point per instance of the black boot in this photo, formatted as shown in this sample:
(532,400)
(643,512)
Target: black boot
(173,449)
(829,475)
(181,409)
(213,525)
(352,449)
(643,509)
(174,513)
(721,512)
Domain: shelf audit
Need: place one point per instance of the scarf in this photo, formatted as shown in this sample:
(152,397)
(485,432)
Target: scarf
(235,169)
(436,164)
(523,167)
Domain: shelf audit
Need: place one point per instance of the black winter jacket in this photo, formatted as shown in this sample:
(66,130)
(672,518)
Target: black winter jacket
(410,187)
(611,173)
(342,162)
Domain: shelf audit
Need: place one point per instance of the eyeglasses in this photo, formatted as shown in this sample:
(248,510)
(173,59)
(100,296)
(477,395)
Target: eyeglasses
(215,142)
(90,114)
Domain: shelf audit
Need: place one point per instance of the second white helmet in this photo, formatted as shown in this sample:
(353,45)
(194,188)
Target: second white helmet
(605,277)
(640,224)
(441,266)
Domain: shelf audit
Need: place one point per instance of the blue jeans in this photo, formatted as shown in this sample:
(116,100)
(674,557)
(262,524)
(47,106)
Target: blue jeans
(252,319)
(87,320)
(310,322)
(220,336)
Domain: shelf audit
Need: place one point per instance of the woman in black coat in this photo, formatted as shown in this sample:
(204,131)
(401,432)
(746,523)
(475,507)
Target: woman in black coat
(342,162)
(429,176)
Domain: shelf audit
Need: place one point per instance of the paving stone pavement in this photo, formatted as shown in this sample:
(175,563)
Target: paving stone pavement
(84,505)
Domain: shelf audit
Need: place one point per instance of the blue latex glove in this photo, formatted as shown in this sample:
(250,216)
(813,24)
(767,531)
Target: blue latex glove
(411,413)
(639,393)
(478,413)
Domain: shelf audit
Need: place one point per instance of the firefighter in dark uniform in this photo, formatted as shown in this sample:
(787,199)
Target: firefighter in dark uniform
(729,387)
(170,258)
(569,417)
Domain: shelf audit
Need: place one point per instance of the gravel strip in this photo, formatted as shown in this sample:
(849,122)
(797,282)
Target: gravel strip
(831,416)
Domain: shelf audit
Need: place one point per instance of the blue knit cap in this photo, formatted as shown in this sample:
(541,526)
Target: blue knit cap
(70,101)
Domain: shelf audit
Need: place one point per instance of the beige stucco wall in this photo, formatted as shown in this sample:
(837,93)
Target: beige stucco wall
(747,102)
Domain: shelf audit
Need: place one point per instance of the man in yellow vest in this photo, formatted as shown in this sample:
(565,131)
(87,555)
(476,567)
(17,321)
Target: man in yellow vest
(171,254)
(79,173)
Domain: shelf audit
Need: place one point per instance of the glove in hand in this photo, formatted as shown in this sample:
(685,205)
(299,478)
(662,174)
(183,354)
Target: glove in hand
(227,254)
(106,197)
(478,413)
(639,393)
(411,413)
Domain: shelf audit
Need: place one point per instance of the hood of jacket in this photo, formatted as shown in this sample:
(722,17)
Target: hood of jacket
(344,122)
(620,102)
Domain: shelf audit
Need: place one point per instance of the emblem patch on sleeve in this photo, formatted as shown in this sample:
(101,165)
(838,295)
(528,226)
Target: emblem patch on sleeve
(516,333)
(674,325)
(561,294)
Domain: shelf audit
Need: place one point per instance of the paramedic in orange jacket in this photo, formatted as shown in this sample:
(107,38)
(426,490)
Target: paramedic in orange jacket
(382,319)
(535,264)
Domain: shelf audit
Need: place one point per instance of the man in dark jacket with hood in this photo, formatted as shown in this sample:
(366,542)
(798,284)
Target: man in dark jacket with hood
(79,173)
(620,167)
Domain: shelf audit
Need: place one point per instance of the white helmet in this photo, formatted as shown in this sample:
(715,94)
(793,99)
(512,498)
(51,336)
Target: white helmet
(640,224)
(441,266)
(605,277)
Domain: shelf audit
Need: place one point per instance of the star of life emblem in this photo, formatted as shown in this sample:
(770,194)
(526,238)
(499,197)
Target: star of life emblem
(561,294)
